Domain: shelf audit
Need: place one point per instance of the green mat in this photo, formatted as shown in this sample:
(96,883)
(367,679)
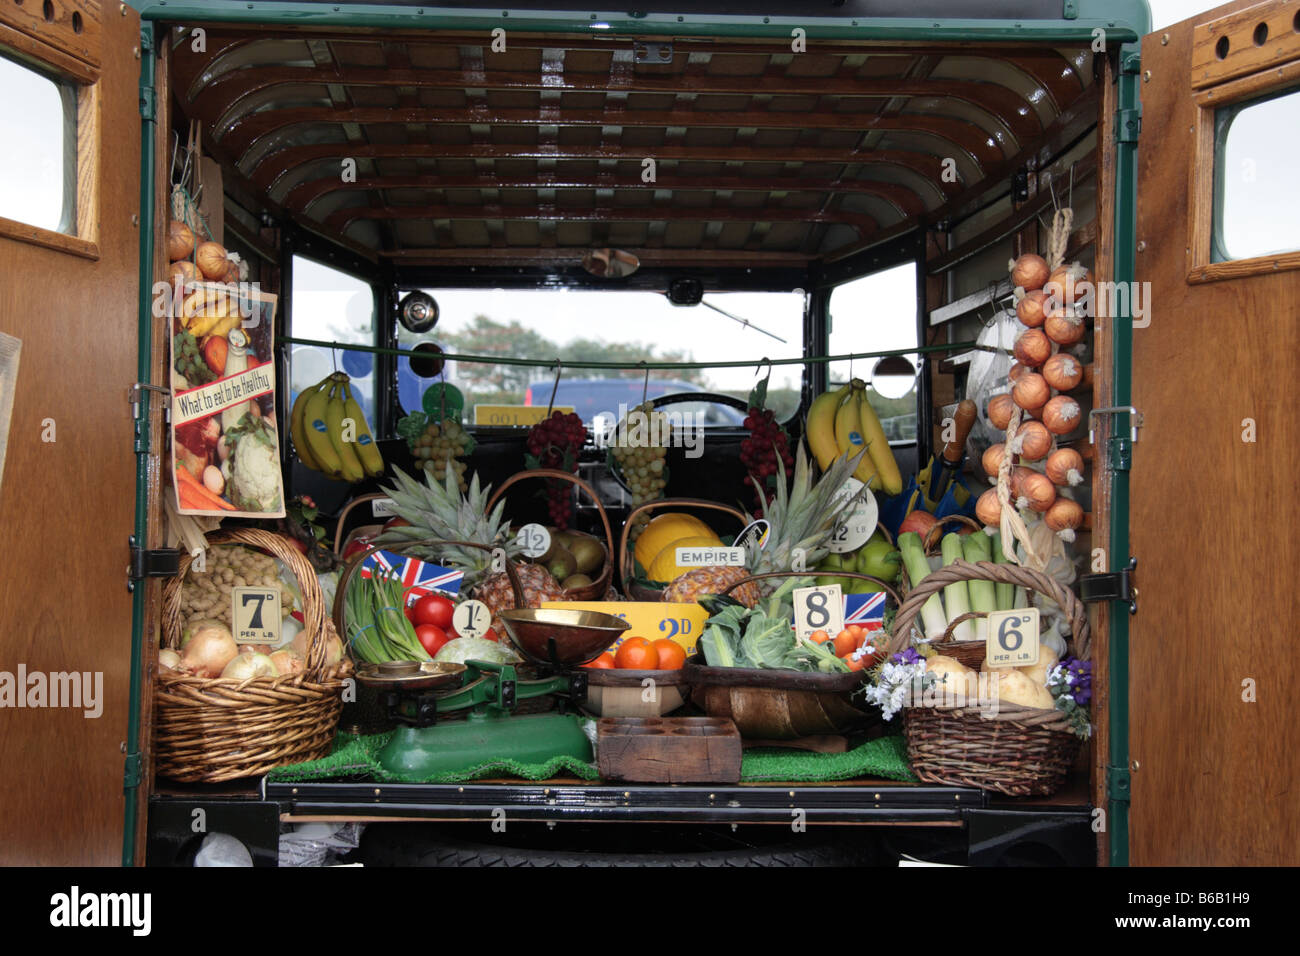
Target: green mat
(359,757)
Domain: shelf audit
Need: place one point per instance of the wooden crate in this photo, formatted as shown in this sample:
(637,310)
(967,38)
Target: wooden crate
(668,750)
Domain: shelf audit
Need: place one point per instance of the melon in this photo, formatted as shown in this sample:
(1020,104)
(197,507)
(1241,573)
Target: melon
(665,568)
(665,528)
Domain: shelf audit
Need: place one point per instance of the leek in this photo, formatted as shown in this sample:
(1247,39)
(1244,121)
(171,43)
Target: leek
(956,596)
(933,623)
(978,547)
(1005,592)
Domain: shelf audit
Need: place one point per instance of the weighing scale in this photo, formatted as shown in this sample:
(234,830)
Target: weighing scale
(414,693)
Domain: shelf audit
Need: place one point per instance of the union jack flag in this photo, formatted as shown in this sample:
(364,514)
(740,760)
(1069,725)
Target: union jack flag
(865,610)
(418,577)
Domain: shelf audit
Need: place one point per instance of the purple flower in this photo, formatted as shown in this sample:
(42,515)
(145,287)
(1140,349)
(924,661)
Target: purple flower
(908,656)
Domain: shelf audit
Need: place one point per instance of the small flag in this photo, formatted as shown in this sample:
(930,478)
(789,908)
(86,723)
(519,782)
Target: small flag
(865,610)
(418,577)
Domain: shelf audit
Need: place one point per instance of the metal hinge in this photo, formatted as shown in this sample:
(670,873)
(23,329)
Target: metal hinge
(651,52)
(1115,586)
(148,95)
(152,563)
(1119,784)
(1120,448)
(132,773)
(1128,125)
(142,426)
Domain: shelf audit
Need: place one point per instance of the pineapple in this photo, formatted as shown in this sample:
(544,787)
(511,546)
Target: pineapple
(441,512)
(801,517)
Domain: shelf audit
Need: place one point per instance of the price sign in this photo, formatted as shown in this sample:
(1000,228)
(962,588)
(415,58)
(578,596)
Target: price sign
(471,619)
(710,557)
(383,507)
(754,537)
(1013,638)
(255,613)
(818,609)
(534,540)
(858,522)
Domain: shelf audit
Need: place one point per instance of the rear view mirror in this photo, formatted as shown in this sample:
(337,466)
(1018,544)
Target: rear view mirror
(893,376)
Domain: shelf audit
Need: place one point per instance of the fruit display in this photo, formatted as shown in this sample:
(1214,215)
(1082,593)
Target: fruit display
(330,432)
(842,424)
(441,448)
(877,557)
(573,559)
(556,442)
(638,448)
(767,443)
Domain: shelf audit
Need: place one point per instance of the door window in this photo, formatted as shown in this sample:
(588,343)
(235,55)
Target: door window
(38,164)
(1257,191)
(331,306)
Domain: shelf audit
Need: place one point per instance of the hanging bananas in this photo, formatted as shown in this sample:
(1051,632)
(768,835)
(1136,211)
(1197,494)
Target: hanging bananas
(841,424)
(330,433)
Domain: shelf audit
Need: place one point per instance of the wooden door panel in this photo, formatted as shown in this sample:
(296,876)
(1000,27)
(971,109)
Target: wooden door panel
(1214,518)
(67,505)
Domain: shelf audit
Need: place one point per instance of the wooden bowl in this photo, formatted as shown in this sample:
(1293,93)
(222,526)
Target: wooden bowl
(621,693)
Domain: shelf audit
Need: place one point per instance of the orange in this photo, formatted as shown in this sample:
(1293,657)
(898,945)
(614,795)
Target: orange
(637,654)
(603,662)
(846,642)
(671,654)
(819,637)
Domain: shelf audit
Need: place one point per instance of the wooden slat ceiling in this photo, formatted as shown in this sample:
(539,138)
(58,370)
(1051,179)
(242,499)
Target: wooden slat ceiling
(540,151)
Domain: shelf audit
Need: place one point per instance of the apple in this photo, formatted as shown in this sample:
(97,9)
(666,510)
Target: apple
(396,523)
(879,559)
(919,521)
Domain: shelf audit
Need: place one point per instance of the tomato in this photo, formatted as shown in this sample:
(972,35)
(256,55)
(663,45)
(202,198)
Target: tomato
(431,637)
(490,635)
(819,637)
(845,643)
(637,654)
(434,609)
(602,663)
(409,611)
(396,523)
(671,654)
(359,545)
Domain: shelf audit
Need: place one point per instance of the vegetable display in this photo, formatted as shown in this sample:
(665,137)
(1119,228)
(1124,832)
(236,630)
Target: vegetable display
(764,637)
(206,595)
(378,629)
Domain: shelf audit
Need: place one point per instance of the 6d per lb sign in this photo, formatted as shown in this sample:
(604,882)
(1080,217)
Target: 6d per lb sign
(1013,638)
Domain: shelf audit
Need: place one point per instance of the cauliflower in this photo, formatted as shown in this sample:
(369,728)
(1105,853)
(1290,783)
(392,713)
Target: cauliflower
(254,478)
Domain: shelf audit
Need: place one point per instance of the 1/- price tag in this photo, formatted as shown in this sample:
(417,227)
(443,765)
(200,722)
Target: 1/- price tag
(471,619)
(534,540)
(255,613)
(1013,638)
(818,609)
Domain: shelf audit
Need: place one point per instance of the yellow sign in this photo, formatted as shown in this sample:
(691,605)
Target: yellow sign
(511,416)
(683,623)
(1013,638)
(255,615)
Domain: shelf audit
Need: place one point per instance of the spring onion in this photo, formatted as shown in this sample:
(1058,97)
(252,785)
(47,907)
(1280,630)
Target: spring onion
(933,622)
(1005,592)
(978,547)
(376,623)
(956,596)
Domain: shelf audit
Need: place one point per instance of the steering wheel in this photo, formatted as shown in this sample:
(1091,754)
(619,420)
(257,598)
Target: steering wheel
(677,398)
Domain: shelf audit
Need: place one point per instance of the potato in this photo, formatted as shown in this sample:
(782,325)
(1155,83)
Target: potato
(955,677)
(1047,659)
(1016,688)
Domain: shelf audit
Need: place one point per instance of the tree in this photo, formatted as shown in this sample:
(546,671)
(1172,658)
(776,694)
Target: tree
(483,336)
(595,350)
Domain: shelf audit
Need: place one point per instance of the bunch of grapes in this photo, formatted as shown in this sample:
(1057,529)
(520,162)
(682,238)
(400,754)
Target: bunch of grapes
(556,442)
(640,444)
(190,363)
(759,452)
(440,447)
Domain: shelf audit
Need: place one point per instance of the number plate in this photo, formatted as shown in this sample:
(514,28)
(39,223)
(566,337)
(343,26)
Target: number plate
(534,540)
(1013,638)
(256,615)
(471,619)
(818,609)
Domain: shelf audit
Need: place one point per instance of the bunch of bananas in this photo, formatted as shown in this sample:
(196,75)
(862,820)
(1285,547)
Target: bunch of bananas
(207,313)
(330,432)
(842,424)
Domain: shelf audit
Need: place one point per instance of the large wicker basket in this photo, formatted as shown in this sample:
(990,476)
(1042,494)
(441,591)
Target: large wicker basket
(207,730)
(1019,751)
(626,562)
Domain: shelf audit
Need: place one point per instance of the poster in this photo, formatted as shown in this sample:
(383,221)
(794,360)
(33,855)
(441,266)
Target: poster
(224,441)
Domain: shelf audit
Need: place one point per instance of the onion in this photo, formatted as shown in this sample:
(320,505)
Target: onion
(1061,415)
(1000,409)
(180,240)
(1063,372)
(1064,514)
(287,661)
(1031,309)
(1039,491)
(182,273)
(992,459)
(1017,480)
(1016,371)
(232,273)
(333,649)
(1032,348)
(1065,467)
(987,509)
(255,648)
(1064,325)
(1069,284)
(1029,272)
(1034,440)
(211,259)
(168,659)
(208,647)
(245,666)
(1031,391)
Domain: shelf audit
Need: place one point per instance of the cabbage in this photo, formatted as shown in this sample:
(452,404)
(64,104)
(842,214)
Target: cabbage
(464,649)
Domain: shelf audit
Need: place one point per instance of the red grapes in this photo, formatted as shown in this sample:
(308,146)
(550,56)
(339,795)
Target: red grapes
(759,452)
(556,442)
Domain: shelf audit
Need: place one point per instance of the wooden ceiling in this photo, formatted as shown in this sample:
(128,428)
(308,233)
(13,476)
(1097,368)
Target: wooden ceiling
(688,151)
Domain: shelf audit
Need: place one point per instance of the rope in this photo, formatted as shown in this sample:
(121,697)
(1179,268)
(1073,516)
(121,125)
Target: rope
(1013,526)
(1059,239)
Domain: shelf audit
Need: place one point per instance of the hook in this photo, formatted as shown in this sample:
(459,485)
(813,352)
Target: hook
(1051,185)
(645,386)
(1070,200)
(550,406)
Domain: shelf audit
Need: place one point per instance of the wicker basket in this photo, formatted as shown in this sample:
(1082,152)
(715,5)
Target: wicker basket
(625,566)
(207,730)
(597,590)
(1019,751)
